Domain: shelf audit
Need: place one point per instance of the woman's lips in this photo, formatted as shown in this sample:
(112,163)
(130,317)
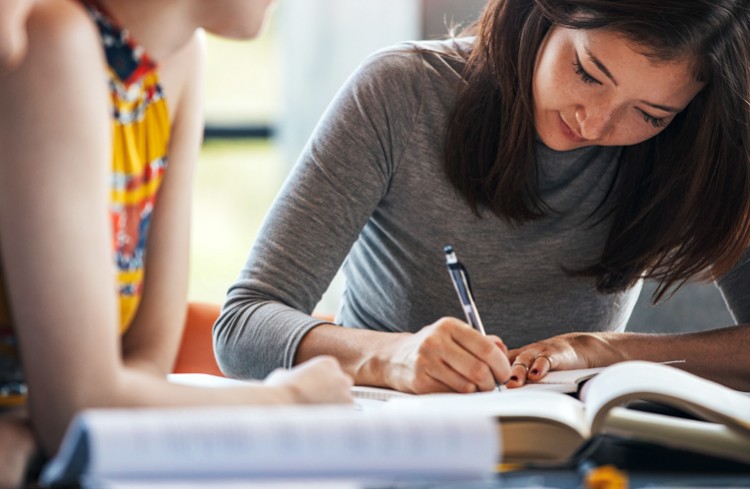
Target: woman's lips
(568,132)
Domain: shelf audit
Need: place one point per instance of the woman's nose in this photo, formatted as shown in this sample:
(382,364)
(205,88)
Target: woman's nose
(594,121)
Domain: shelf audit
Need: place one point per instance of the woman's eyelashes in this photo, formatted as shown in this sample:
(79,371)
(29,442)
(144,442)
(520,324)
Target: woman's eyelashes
(583,74)
(654,121)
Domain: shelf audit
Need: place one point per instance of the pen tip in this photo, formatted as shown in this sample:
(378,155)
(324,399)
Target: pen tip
(448,249)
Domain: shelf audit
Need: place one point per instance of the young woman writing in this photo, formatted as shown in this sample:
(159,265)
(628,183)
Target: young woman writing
(567,149)
(100,133)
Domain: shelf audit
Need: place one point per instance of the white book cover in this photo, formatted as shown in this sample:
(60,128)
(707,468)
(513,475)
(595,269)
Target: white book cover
(273,442)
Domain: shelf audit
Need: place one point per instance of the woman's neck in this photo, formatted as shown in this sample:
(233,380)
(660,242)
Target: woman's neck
(161,27)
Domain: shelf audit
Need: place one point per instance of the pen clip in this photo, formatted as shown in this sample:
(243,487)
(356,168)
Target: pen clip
(466,277)
(454,264)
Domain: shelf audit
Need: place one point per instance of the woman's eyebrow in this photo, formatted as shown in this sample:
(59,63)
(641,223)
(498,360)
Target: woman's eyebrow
(600,65)
(665,108)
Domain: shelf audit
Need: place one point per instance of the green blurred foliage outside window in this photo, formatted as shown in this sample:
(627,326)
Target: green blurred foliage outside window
(236,179)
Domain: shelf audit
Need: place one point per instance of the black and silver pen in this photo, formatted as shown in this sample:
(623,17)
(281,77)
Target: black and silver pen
(460,278)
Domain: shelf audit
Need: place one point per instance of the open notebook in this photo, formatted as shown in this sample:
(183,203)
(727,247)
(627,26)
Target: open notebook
(565,381)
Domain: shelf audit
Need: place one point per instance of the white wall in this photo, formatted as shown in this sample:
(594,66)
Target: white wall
(322,42)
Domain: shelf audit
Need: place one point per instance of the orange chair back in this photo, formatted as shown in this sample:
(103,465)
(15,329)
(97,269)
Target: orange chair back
(196,354)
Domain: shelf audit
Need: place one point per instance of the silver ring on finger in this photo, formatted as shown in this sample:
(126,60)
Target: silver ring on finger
(519,364)
(546,358)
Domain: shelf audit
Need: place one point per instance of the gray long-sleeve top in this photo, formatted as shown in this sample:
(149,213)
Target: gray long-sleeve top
(369,191)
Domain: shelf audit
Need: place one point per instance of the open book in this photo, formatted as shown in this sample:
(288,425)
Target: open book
(143,445)
(565,381)
(541,426)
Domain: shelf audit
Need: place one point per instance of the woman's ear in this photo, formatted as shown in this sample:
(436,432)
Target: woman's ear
(13,41)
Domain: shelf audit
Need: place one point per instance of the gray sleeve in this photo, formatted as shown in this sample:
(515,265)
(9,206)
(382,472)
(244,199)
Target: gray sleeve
(735,288)
(340,177)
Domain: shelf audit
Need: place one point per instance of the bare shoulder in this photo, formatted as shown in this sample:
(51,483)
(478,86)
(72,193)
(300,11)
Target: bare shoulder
(62,74)
(64,51)
(61,28)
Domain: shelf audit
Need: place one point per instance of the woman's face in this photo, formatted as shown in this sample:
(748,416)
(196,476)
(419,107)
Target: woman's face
(239,19)
(591,88)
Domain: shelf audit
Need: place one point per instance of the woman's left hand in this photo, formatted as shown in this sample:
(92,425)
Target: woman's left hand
(564,352)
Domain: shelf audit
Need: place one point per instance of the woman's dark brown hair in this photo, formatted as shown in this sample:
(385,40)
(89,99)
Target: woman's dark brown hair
(680,204)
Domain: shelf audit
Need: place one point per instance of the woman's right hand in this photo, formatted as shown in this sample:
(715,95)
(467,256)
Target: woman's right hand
(319,380)
(446,356)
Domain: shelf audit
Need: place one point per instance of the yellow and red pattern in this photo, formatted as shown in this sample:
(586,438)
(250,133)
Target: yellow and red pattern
(140,129)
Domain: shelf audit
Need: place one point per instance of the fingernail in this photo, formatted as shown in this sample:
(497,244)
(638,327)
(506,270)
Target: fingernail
(513,379)
(534,372)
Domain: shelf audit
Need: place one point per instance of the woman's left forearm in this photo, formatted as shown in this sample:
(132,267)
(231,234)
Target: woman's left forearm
(720,354)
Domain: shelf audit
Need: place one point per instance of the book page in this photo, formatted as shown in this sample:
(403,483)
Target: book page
(570,378)
(539,426)
(680,433)
(568,381)
(662,383)
(280,441)
(543,406)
